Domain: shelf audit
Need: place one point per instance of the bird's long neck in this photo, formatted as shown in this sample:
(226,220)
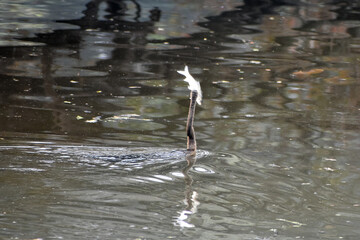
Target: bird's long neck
(191,140)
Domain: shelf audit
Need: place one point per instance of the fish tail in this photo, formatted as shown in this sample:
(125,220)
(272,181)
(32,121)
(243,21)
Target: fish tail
(185,72)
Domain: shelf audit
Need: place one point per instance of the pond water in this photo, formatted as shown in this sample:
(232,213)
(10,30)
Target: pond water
(93,114)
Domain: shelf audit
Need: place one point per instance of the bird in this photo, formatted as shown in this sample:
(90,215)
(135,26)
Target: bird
(190,152)
(195,97)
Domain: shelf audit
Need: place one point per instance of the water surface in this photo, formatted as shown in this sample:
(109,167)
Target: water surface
(92,120)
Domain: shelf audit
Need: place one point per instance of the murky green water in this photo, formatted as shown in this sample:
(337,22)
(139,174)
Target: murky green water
(92,120)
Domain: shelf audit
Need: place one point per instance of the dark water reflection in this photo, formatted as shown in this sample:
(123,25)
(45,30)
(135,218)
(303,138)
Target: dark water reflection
(278,131)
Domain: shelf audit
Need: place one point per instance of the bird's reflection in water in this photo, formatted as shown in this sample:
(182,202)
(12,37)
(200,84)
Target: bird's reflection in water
(191,196)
